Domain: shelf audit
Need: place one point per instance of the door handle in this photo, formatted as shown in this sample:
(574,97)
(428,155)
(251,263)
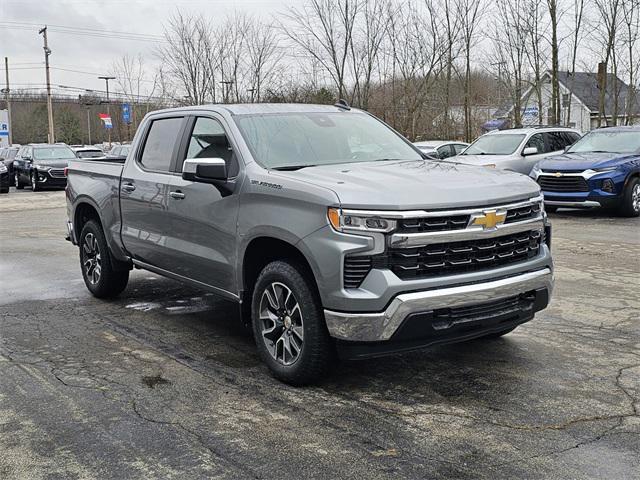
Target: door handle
(128,187)
(177,195)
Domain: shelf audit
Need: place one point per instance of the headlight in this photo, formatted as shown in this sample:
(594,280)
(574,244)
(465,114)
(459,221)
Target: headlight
(359,221)
(605,169)
(41,168)
(3,168)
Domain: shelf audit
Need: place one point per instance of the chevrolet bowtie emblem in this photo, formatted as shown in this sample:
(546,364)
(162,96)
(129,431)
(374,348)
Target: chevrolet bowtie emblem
(557,174)
(490,219)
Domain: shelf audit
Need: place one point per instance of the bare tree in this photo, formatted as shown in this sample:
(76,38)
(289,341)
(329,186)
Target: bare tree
(263,57)
(535,48)
(578,17)
(323,29)
(554,15)
(631,20)
(187,55)
(131,78)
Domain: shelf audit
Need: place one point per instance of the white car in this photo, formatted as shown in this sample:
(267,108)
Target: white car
(518,149)
(441,148)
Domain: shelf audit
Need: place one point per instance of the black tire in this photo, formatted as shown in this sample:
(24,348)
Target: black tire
(16,179)
(4,189)
(108,282)
(316,351)
(550,208)
(34,183)
(630,204)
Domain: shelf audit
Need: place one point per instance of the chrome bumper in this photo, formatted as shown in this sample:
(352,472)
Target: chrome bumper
(560,203)
(375,327)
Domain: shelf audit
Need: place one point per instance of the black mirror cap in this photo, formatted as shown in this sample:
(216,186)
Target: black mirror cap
(209,170)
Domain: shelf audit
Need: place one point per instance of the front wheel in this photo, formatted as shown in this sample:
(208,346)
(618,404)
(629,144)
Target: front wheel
(34,182)
(17,182)
(288,324)
(630,206)
(95,260)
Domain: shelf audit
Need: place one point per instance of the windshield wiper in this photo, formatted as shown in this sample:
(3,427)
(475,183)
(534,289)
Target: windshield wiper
(291,168)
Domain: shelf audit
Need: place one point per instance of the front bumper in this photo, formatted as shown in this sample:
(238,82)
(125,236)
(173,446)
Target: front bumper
(431,306)
(51,178)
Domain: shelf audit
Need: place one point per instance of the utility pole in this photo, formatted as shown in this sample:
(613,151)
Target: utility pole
(47,52)
(89,122)
(6,97)
(106,79)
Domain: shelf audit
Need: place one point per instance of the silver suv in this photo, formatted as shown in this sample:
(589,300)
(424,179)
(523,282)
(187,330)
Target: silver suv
(518,149)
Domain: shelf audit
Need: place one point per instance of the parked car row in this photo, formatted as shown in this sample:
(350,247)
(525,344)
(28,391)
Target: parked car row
(601,169)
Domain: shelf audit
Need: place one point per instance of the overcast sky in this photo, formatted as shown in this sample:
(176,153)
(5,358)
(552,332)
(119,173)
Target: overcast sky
(22,44)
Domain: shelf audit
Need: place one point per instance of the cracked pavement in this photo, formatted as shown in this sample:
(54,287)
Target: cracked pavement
(163,382)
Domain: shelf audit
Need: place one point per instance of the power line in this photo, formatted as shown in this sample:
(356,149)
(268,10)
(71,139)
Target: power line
(85,29)
(103,34)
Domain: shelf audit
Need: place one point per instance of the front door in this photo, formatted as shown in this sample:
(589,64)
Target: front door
(144,193)
(203,216)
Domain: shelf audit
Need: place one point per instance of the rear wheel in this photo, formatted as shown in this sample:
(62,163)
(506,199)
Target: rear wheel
(95,260)
(17,182)
(289,326)
(630,206)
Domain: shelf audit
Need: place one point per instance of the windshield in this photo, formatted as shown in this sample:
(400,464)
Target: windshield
(90,154)
(500,144)
(295,140)
(609,142)
(53,153)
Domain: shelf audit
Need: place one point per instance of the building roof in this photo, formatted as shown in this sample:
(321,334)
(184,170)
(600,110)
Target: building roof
(584,85)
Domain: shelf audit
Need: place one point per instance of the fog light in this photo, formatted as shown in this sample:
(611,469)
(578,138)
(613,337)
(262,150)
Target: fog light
(608,186)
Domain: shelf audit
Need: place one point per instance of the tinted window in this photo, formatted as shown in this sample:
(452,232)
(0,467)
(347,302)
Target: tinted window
(445,152)
(536,141)
(208,140)
(90,154)
(459,147)
(160,143)
(556,141)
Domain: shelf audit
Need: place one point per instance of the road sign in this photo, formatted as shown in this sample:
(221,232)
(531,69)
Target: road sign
(106,119)
(126,113)
(4,128)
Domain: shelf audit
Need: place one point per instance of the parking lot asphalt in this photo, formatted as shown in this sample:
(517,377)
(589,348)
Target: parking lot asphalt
(164,383)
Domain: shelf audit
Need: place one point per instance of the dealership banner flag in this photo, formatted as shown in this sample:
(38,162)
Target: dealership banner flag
(106,119)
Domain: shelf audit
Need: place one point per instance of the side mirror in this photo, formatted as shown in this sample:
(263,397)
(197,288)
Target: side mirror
(204,170)
(529,151)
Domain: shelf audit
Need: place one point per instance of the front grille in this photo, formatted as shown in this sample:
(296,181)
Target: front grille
(355,269)
(57,172)
(523,213)
(458,257)
(433,224)
(569,183)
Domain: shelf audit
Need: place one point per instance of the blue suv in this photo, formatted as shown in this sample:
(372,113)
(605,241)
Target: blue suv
(602,169)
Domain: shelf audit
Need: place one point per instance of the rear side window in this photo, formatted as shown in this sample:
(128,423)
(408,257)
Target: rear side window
(556,141)
(160,144)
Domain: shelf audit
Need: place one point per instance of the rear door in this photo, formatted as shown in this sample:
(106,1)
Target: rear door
(203,216)
(144,192)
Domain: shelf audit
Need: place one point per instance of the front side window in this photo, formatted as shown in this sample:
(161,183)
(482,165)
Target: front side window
(536,141)
(459,147)
(161,140)
(209,140)
(53,153)
(608,142)
(495,144)
(296,140)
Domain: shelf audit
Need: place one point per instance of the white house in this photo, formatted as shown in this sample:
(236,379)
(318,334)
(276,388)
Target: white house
(582,91)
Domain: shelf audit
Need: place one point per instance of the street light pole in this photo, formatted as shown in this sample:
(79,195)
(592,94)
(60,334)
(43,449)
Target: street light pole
(106,79)
(89,122)
(7,100)
(47,52)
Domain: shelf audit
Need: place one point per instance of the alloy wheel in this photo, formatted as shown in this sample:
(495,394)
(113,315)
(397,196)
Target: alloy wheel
(635,197)
(91,259)
(34,183)
(16,180)
(282,323)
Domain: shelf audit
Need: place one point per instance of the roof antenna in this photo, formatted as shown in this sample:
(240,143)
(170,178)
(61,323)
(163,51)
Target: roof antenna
(342,103)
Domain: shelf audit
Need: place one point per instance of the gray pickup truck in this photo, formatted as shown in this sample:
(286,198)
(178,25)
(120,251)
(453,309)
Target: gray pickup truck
(330,230)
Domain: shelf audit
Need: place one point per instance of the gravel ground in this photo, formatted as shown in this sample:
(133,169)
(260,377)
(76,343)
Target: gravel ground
(164,383)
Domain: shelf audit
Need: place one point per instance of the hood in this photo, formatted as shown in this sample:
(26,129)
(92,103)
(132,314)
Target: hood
(422,184)
(584,161)
(51,163)
(482,159)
